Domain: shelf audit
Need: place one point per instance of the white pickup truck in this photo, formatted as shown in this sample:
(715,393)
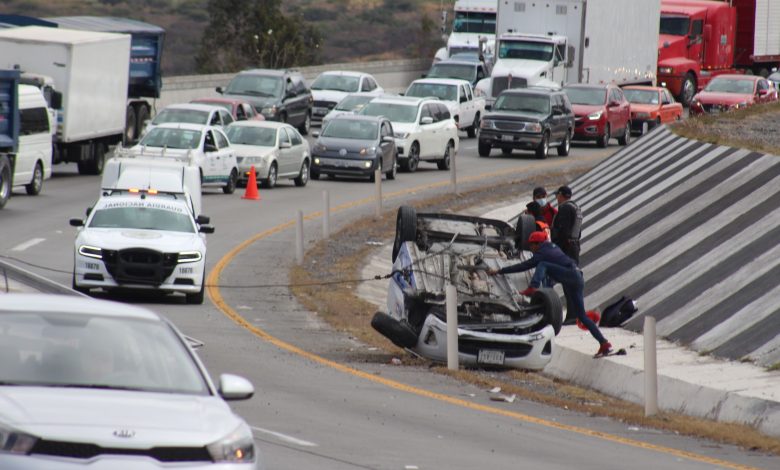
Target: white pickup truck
(465,107)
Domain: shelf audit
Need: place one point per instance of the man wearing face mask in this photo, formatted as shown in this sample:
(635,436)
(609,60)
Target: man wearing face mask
(547,210)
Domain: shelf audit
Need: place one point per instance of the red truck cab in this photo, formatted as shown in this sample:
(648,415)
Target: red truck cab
(696,43)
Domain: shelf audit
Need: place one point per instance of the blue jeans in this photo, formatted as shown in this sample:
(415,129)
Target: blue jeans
(540,277)
(573,288)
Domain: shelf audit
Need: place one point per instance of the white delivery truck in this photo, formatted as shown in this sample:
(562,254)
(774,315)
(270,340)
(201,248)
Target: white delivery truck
(89,71)
(556,42)
(473,29)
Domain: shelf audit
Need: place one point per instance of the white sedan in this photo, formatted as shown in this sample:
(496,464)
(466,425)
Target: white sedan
(275,149)
(101,385)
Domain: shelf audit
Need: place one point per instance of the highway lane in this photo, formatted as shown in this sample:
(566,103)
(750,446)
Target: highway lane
(306,414)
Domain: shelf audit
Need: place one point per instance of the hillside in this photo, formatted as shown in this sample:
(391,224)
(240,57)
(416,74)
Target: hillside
(352,30)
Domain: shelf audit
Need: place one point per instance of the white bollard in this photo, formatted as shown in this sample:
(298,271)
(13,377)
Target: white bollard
(453,173)
(325,214)
(299,239)
(378,187)
(452,327)
(651,370)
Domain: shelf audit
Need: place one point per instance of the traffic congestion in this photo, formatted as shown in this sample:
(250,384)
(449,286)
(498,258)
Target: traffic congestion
(512,84)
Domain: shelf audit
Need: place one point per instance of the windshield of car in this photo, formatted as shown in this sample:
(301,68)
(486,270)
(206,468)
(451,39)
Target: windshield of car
(523,103)
(351,129)
(171,138)
(250,135)
(95,351)
(143,215)
(470,22)
(336,82)
(641,96)
(458,71)
(353,103)
(184,116)
(526,50)
(443,92)
(226,106)
(675,25)
(255,85)
(393,112)
(730,85)
(587,96)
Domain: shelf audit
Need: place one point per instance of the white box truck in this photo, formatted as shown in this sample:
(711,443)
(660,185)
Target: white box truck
(473,29)
(556,42)
(89,71)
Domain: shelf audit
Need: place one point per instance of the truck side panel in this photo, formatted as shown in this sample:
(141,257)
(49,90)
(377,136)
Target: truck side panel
(562,17)
(9,111)
(617,33)
(766,39)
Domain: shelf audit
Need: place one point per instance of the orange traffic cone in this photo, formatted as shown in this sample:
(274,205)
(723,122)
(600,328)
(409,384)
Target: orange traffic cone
(251,186)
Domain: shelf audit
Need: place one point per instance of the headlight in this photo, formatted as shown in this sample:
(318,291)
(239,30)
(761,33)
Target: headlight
(91,251)
(533,127)
(596,115)
(238,446)
(368,151)
(189,256)
(401,135)
(316,161)
(15,442)
(270,110)
(486,124)
(368,163)
(320,148)
(642,115)
(665,70)
(740,105)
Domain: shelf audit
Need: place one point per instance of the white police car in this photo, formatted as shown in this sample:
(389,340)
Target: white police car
(139,239)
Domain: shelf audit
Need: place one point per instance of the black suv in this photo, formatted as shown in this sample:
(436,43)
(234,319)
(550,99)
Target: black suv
(279,95)
(530,119)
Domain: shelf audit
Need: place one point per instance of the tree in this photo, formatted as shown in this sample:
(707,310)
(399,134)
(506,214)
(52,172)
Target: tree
(254,33)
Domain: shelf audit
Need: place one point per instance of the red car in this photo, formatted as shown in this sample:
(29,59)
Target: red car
(241,110)
(651,106)
(728,92)
(601,112)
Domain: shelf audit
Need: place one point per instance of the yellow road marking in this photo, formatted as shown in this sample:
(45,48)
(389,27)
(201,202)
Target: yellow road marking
(216,297)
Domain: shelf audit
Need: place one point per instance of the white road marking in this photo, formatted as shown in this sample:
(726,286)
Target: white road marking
(285,438)
(27,244)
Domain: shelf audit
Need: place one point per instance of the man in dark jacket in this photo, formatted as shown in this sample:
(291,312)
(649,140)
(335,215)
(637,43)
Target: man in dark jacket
(567,225)
(550,261)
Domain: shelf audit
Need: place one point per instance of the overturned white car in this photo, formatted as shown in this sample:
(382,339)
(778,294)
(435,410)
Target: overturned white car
(496,326)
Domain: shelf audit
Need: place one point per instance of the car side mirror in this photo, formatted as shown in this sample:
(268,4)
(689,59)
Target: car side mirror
(220,90)
(463,99)
(203,219)
(315,134)
(209,148)
(206,229)
(426,120)
(763,92)
(423,75)
(77,222)
(56,100)
(233,387)
(613,104)
(284,145)
(557,112)
(388,138)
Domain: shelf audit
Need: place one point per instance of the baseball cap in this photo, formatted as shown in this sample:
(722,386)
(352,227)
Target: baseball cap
(564,191)
(537,237)
(540,192)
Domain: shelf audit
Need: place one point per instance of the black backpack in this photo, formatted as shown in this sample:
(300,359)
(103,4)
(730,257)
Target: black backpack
(618,312)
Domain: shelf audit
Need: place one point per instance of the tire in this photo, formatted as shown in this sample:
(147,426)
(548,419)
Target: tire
(625,139)
(372,176)
(5,181)
(603,141)
(141,116)
(483,149)
(544,146)
(688,90)
(305,126)
(399,332)
(410,164)
(553,309)
(523,229)
(405,228)
(444,163)
(34,187)
(393,171)
(197,298)
(315,175)
(131,129)
(565,147)
(94,166)
(230,187)
(303,175)
(472,131)
(270,181)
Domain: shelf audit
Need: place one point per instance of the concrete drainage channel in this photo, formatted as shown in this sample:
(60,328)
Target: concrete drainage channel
(14,279)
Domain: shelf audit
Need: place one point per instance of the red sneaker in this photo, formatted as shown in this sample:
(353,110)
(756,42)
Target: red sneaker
(528,292)
(604,350)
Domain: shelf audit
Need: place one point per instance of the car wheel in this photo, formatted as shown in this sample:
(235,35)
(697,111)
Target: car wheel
(526,225)
(625,139)
(372,176)
(413,160)
(94,166)
(270,181)
(405,228)
(303,175)
(315,175)
(551,304)
(230,187)
(658,122)
(688,90)
(603,141)
(305,127)
(472,131)
(197,298)
(544,146)
(565,147)
(5,181)
(444,163)
(399,332)
(283,117)
(35,186)
(483,148)
(393,169)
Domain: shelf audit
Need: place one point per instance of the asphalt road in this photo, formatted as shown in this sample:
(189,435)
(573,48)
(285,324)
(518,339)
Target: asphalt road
(314,406)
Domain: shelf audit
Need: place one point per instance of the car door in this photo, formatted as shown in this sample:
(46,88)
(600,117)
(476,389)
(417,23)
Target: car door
(466,107)
(558,125)
(212,163)
(297,149)
(429,140)
(225,117)
(444,127)
(388,148)
(286,158)
(226,156)
(667,107)
(762,92)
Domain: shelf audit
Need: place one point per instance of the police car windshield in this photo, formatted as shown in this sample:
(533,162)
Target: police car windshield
(172,138)
(143,217)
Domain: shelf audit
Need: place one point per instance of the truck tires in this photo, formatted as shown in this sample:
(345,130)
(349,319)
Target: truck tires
(5,180)
(563,149)
(472,130)
(483,149)
(405,228)
(399,332)
(544,146)
(96,158)
(552,308)
(688,90)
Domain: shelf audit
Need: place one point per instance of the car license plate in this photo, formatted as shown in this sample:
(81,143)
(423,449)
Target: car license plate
(490,356)
(507,138)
